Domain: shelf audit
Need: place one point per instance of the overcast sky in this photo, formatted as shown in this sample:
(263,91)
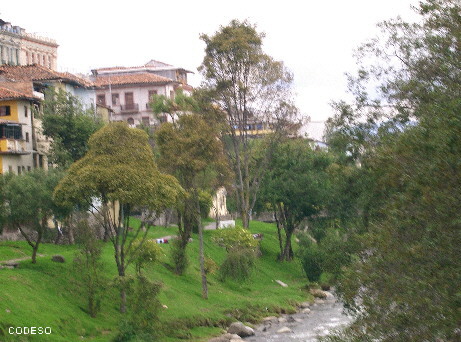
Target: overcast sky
(315,39)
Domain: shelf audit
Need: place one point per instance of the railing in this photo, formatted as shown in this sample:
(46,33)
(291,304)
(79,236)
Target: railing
(129,108)
(12,146)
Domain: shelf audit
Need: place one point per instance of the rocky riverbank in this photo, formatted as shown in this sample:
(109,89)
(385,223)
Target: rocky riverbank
(313,320)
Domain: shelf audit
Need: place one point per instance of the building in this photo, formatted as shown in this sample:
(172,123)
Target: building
(23,90)
(17,152)
(18,47)
(129,90)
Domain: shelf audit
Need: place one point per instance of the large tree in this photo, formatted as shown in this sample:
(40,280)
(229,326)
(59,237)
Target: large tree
(295,186)
(69,124)
(405,284)
(251,88)
(28,204)
(120,173)
(187,149)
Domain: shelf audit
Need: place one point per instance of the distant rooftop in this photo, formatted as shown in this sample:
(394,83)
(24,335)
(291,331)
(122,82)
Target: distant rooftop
(152,65)
(7,27)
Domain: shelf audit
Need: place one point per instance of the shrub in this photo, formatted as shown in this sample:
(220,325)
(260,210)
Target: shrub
(210,266)
(235,238)
(147,252)
(238,264)
(179,257)
(141,323)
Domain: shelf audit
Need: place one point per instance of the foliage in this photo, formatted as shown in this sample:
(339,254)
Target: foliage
(142,321)
(179,257)
(238,264)
(250,87)
(120,171)
(69,125)
(205,202)
(404,285)
(28,204)
(145,252)
(210,266)
(235,238)
(296,186)
(88,267)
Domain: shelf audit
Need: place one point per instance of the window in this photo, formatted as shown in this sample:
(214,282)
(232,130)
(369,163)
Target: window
(101,99)
(26,111)
(5,110)
(27,136)
(152,93)
(10,168)
(115,100)
(19,170)
(28,168)
(27,58)
(11,131)
(129,101)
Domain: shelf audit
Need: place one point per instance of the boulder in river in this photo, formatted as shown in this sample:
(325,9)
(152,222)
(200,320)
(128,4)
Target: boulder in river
(284,330)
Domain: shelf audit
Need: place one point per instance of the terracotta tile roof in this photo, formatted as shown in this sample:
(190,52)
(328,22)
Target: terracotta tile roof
(137,78)
(34,72)
(8,94)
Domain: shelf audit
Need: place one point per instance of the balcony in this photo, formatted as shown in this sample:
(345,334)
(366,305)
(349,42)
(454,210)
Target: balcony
(129,108)
(12,146)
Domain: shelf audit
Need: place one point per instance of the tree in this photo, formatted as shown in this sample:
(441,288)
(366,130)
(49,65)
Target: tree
(188,148)
(88,267)
(69,125)
(249,86)
(295,185)
(28,204)
(405,284)
(119,171)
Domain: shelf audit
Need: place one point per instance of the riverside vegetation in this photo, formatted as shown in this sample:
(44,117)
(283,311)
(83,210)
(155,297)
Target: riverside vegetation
(47,293)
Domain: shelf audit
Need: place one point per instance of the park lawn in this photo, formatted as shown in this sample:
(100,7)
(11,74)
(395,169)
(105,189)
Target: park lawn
(46,294)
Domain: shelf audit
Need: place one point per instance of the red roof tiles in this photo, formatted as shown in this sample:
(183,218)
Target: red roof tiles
(36,72)
(8,94)
(137,78)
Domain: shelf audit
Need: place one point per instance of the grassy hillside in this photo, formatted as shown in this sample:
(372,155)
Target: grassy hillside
(46,295)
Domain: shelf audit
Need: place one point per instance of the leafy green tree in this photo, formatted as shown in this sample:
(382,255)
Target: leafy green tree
(28,204)
(249,86)
(188,148)
(88,267)
(119,171)
(296,186)
(405,284)
(69,125)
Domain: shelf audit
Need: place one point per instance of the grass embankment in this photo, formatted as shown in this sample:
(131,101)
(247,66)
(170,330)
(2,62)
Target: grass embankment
(45,294)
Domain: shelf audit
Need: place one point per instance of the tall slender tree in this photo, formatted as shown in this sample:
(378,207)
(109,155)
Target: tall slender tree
(250,87)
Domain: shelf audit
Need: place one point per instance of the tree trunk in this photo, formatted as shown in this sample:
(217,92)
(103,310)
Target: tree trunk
(201,247)
(287,254)
(279,232)
(34,253)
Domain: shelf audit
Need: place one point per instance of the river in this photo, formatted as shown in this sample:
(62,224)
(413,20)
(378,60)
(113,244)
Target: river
(324,316)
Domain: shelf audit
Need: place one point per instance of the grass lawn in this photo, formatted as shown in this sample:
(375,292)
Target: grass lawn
(46,294)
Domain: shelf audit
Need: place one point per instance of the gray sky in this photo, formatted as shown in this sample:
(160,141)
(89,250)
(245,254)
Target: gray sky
(315,39)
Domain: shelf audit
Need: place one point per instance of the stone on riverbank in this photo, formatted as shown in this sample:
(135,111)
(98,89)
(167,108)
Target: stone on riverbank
(281,283)
(318,293)
(240,329)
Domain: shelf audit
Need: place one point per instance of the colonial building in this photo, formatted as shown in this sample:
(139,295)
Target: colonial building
(23,145)
(17,153)
(18,47)
(129,90)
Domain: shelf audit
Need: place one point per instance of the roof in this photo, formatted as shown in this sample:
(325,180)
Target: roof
(138,78)
(151,65)
(34,72)
(9,94)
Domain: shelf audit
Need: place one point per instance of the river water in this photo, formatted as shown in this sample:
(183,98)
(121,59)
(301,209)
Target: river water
(324,316)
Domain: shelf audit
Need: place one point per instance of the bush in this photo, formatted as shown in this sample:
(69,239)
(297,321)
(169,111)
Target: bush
(141,323)
(235,238)
(147,252)
(179,257)
(238,264)
(210,266)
